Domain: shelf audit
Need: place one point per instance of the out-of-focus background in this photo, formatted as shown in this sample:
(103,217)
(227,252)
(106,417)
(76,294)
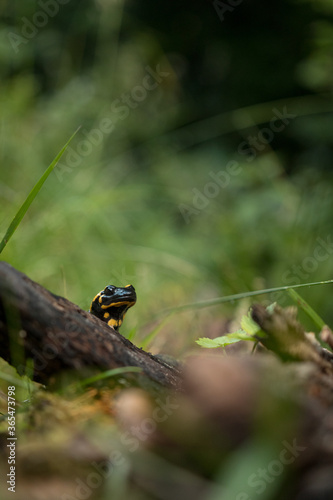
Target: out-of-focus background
(203,166)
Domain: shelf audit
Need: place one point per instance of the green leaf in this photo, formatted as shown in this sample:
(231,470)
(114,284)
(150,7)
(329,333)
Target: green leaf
(249,326)
(223,341)
(213,343)
(31,196)
(240,335)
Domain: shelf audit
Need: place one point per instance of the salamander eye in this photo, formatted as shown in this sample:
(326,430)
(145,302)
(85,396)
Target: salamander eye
(109,290)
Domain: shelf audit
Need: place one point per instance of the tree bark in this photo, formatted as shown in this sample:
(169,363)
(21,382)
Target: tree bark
(58,335)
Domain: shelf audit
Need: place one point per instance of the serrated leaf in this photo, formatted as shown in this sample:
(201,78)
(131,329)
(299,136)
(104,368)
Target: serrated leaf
(229,338)
(217,342)
(249,326)
(241,335)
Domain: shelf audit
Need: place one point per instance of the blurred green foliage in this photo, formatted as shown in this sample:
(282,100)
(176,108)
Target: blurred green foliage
(111,212)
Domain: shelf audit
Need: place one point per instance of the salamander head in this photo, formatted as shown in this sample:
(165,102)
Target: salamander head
(111,304)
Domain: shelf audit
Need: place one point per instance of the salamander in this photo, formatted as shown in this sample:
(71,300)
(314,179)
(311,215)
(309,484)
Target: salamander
(111,304)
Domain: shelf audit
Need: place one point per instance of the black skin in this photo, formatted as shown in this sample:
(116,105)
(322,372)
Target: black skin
(111,304)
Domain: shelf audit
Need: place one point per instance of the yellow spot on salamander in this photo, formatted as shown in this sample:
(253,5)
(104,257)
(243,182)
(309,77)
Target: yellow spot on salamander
(106,315)
(114,322)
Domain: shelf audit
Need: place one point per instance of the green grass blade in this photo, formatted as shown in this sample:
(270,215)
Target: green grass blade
(13,380)
(150,337)
(31,196)
(131,334)
(110,373)
(307,309)
(239,296)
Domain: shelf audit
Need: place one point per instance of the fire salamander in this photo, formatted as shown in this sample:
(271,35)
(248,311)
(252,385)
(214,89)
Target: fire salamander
(111,304)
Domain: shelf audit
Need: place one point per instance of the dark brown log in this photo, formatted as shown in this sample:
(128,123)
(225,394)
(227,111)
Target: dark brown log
(58,335)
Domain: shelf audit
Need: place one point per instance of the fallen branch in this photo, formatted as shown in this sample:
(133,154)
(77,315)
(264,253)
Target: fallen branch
(58,335)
